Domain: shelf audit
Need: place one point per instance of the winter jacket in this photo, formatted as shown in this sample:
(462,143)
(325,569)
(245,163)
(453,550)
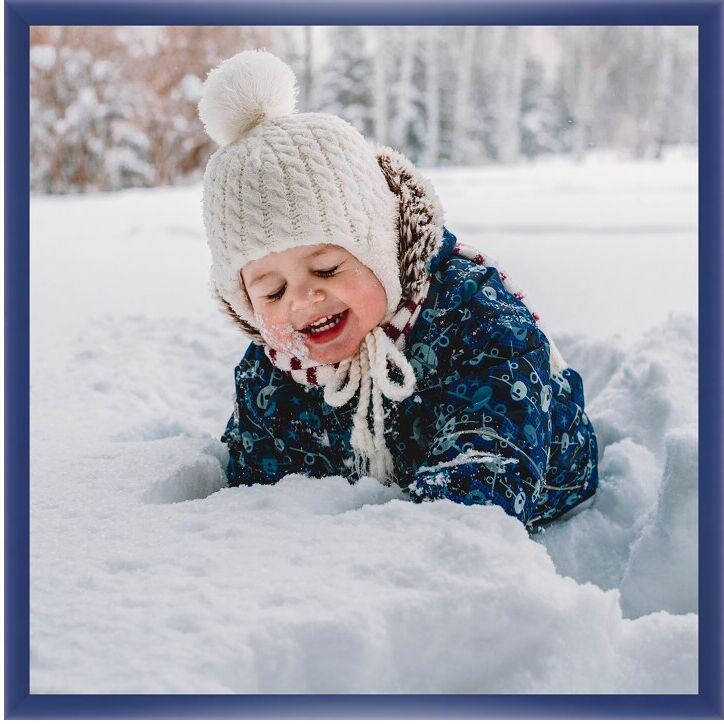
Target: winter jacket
(488,423)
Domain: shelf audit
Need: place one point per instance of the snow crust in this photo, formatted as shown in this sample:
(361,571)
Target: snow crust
(148,575)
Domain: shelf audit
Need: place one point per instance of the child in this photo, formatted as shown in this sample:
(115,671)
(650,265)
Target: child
(381,346)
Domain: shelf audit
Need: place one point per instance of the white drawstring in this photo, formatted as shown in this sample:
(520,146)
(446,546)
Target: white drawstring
(367,370)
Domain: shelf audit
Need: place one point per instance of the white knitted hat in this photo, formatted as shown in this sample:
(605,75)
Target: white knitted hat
(282,179)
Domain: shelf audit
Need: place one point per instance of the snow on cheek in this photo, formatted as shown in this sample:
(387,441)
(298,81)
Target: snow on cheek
(283,337)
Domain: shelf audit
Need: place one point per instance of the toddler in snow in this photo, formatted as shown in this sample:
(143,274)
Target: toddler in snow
(381,345)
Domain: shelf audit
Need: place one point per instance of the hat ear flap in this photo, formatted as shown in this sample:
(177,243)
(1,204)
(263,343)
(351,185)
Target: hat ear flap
(420,218)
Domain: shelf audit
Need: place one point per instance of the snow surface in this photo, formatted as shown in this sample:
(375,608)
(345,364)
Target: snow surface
(149,575)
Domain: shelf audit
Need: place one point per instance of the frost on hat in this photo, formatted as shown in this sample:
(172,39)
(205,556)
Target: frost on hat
(282,179)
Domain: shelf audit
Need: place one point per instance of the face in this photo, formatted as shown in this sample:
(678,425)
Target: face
(317,302)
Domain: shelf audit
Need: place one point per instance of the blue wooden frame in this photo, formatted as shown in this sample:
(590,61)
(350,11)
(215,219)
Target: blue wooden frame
(708,15)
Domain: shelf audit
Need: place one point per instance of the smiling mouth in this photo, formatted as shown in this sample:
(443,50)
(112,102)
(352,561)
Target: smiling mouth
(326,326)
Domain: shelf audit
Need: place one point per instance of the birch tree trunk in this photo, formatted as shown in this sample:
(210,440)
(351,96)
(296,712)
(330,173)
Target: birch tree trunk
(577,81)
(432,97)
(510,100)
(380,108)
(403,114)
(308,99)
(461,103)
(664,90)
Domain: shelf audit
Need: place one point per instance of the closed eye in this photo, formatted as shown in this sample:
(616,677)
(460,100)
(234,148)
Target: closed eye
(277,294)
(327,272)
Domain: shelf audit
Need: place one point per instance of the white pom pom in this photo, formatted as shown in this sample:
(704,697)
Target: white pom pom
(244,90)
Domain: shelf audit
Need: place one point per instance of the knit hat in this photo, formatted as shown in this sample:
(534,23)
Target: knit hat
(282,179)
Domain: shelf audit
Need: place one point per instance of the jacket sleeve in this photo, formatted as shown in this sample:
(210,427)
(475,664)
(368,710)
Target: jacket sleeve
(261,432)
(253,456)
(489,441)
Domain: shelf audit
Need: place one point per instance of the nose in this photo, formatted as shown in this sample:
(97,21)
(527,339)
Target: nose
(316,295)
(307,295)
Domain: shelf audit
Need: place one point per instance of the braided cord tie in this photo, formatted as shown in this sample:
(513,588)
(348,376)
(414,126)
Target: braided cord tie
(371,455)
(367,371)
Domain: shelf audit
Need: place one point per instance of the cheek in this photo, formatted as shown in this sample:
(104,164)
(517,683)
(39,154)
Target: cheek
(280,335)
(367,297)
(271,328)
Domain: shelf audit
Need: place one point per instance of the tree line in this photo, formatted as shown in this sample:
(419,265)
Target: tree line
(115,107)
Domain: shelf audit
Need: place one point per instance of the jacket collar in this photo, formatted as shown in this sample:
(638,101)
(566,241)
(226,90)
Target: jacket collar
(445,251)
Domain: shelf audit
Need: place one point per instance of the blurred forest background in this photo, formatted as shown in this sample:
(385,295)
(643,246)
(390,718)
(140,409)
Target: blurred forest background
(115,107)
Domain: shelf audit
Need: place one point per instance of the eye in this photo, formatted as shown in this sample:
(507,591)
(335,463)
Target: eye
(327,272)
(276,295)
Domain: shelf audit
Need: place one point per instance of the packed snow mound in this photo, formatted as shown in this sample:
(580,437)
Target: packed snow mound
(594,545)
(319,586)
(148,575)
(198,479)
(641,533)
(662,570)
(647,392)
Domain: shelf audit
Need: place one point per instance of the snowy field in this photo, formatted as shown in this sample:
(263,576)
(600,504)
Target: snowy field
(149,576)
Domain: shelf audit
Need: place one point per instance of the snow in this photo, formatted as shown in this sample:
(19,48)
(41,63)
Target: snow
(43,56)
(148,575)
(637,221)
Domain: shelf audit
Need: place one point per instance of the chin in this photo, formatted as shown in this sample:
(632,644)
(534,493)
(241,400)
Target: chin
(329,358)
(332,356)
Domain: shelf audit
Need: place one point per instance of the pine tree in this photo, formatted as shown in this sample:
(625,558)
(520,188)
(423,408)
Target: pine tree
(543,127)
(345,79)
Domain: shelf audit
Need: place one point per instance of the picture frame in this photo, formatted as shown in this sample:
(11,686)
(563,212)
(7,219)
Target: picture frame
(707,15)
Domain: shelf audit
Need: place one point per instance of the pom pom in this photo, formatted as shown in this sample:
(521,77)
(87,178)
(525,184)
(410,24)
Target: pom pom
(243,91)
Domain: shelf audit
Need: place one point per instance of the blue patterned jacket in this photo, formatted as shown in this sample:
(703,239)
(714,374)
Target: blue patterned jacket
(488,424)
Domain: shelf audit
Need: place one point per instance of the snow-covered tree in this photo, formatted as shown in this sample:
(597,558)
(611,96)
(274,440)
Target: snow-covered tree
(84,133)
(543,127)
(403,92)
(297,47)
(682,105)
(116,106)
(580,81)
(508,100)
(381,65)
(431,67)
(459,140)
(345,85)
